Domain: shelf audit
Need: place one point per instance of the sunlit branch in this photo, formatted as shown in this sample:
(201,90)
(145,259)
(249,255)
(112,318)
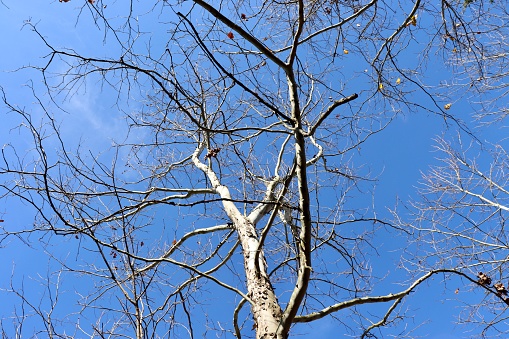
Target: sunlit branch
(296,36)
(255,42)
(274,213)
(403,26)
(236,318)
(379,299)
(329,110)
(179,242)
(230,75)
(333,26)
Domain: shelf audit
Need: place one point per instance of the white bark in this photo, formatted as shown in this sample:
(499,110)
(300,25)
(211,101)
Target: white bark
(264,304)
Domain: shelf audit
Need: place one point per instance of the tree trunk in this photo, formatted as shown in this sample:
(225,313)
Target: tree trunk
(265,307)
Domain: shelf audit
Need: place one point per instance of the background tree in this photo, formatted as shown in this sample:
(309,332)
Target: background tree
(459,217)
(240,174)
(462,216)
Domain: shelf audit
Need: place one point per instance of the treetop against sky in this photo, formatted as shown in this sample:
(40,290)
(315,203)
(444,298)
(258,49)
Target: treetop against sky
(253,169)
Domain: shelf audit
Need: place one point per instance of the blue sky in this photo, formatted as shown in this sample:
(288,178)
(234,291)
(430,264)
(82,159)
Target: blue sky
(397,156)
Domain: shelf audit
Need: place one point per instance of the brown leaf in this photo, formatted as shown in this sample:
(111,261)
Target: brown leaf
(500,288)
(483,279)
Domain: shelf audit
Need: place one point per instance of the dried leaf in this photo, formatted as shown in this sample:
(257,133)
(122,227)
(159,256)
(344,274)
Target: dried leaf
(212,153)
(483,279)
(447,106)
(230,35)
(500,288)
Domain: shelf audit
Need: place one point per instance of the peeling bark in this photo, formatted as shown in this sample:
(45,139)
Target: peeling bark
(264,304)
(265,307)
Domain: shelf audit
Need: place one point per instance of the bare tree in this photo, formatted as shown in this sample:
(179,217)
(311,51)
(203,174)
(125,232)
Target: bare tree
(460,221)
(237,178)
